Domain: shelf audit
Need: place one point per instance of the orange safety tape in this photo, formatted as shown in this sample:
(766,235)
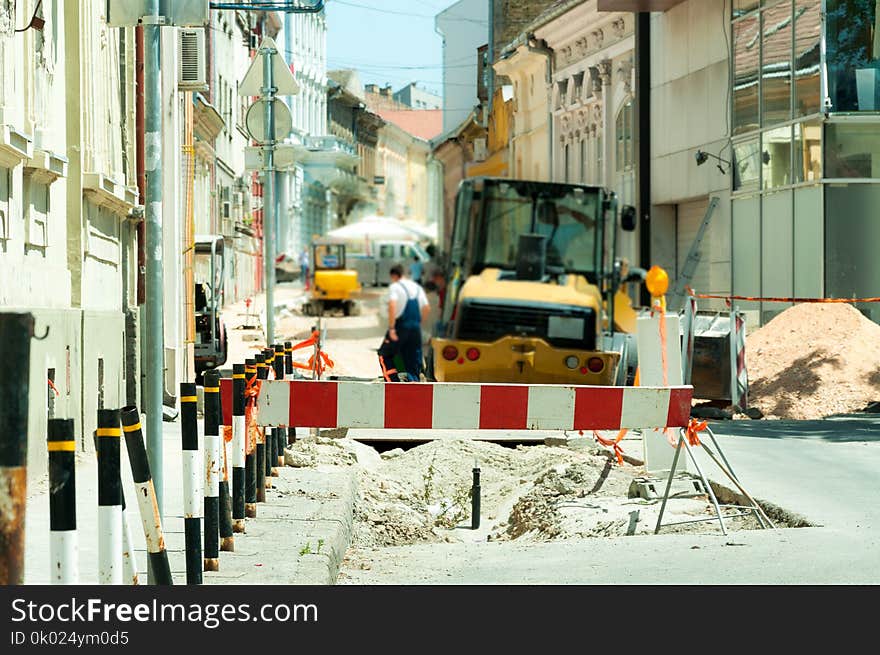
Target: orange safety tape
(611,443)
(775,299)
(227,437)
(311,341)
(662,344)
(693,431)
(53,387)
(251,391)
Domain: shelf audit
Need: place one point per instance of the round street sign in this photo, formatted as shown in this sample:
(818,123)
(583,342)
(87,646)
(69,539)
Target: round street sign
(255,120)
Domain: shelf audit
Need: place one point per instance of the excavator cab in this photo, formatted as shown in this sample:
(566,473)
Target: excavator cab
(333,284)
(211,344)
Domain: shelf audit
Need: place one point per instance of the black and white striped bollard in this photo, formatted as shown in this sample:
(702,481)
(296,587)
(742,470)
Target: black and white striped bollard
(16,331)
(193,476)
(109,497)
(279,433)
(212,471)
(63,542)
(148,506)
(227,540)
(260,448)
(238,446)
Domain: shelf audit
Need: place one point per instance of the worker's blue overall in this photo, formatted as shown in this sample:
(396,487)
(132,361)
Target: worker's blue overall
(409,335)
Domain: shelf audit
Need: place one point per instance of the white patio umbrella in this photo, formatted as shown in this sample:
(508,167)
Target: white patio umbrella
(375,228)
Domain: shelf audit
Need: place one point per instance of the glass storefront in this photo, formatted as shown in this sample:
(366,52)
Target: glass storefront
(806,186)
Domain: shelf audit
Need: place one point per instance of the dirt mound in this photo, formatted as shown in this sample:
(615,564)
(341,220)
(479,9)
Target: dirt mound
(814,360)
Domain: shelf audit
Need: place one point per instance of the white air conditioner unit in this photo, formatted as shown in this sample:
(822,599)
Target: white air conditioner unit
(480,152)
(191,60)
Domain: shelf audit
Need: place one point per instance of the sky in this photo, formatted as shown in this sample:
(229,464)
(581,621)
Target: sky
(387,41)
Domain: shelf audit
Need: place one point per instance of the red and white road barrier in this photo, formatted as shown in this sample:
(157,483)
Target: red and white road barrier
(739,383)
(449,406)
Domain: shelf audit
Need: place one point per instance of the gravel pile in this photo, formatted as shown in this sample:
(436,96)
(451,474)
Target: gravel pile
(814,360)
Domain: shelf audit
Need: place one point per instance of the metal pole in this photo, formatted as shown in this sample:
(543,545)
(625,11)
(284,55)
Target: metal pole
(269,191)
(16,331)
(154,359)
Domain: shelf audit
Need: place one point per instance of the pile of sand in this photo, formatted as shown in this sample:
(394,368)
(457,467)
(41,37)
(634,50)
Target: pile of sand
(814,360)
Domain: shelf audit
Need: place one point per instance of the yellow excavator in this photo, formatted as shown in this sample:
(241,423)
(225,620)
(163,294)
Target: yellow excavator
(534,291)
(333,286)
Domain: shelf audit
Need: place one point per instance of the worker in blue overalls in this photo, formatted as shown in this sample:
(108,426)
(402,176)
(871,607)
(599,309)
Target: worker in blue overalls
(407,308)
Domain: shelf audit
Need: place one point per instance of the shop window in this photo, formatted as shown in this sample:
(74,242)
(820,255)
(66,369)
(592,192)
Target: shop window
(853,55)
(807,51)
(776,66)
(624,129)
(776,158)
(746,165)
(852,150)
(807,152)
(747,50)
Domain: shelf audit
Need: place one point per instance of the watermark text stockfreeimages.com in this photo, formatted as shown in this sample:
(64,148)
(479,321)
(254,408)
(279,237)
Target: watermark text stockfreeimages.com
(209,615)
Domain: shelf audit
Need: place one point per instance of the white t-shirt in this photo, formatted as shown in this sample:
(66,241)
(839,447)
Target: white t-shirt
(401,291)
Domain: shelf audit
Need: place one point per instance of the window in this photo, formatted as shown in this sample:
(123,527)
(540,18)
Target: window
(741,7)
(746,48)
(853,55)
(5,205)
(852,150)
(776,157)
(807,46)
(567,162)
(578,87)
(37,213)
(624,128)
(807,152)
(746,165)
(386,251)
(776,66)
(583,160)
(561,88)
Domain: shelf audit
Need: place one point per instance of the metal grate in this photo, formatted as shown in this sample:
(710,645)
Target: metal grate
(488,321)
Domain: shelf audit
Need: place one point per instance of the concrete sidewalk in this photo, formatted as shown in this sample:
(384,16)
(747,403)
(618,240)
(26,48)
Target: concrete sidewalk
(300,534)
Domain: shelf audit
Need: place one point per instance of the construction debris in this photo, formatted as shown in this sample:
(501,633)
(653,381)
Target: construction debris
(814,360)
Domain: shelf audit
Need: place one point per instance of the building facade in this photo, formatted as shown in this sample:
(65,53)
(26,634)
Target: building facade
(464,27)
(592,101)
(415,97)
(68,248)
